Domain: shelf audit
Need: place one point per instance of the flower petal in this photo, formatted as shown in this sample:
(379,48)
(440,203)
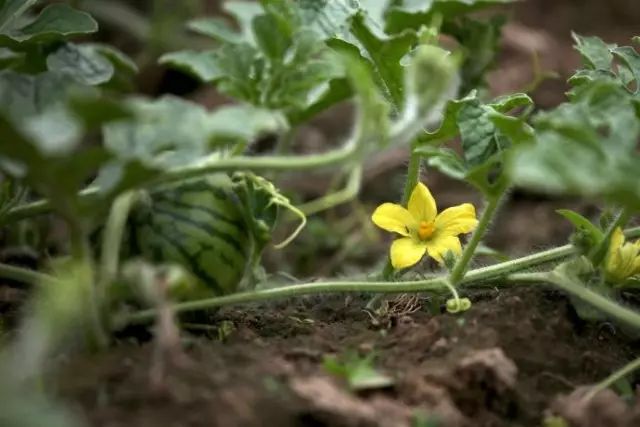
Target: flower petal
(441,244)
(614,261)
(421,204)
(406,252)
(394,218)
(456,220)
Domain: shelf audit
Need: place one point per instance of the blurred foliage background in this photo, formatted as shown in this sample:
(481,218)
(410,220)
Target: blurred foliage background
(536,56)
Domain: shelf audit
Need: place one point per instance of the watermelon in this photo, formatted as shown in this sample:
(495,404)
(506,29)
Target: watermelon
(215,227)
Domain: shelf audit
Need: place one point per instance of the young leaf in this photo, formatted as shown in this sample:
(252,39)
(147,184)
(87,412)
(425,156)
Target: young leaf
(55,22)
(384,55)
(358,372)
(595,53)
(587,235)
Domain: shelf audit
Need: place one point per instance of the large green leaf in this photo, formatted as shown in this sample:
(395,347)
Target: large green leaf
(81,62)
(23,96)
(384,55)
(173,132)
(586,146)
(486,131)
(53,172)
(55,22)
(405,14)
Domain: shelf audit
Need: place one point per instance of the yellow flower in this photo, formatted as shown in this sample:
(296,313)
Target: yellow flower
(623,259)
(422,228)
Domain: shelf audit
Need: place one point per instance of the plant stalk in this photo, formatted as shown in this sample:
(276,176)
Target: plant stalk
(438,284)
(112,241)
(613,378)
(413,177)
(461,266)
(81,252)
(580,291)
(23,275)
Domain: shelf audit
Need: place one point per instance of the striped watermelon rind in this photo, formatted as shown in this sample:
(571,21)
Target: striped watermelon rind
(215,227)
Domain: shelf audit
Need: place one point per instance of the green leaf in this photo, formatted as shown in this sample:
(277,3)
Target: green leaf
(119,59)
(630,57)
(50,170)
(595,53)
(11,10)
(480,139)
(384,55)
(273,43)
(55,22)
(373,118)
(244,11)
(358,372)
(23,96)
(202,65)
(83,63)
(328,19)
(445,160)
(9,58)
(405,14)
(583,225)
(480,42)
(174,132)
(586,146)
(216,28)
(94,111)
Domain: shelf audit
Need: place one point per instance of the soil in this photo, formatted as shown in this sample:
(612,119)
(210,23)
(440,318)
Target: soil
(500,364)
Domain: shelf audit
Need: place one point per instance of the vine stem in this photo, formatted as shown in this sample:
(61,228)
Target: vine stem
(81,252)
(23,275)
(580,291)
(349,192)
(413,176)
(460,267)
(113,233)
(613,378)
(435,284)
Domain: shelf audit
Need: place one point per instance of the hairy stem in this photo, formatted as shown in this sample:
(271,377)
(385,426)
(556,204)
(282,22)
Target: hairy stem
(613,378)
(413,176)
(349,192)
(460,267)
(437,284)
(604,304)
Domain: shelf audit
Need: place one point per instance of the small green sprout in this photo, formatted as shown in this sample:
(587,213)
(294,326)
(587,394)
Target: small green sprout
(357,371)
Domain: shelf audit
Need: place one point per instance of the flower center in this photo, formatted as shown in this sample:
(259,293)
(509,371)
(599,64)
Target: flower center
(425,230)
